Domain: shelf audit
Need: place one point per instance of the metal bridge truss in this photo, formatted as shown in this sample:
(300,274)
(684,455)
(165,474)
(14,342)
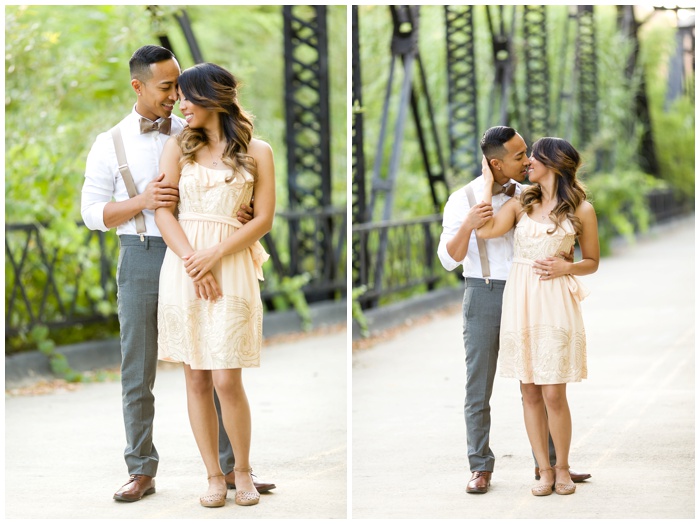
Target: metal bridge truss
(413,92)
(404,45)
(462,108)
(502,52)
(308,136)
(359,187)
(629,26)
(537,123)
(587,81)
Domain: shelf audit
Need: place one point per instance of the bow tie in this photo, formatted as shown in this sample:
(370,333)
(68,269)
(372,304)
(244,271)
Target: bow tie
(508,189)
(147,126)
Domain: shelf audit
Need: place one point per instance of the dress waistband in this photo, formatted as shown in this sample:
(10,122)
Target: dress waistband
(256,249)
(209,218)
(578,290)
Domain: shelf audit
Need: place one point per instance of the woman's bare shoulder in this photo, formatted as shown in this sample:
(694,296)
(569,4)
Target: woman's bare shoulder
(259,148)
(585,210)
(172,146)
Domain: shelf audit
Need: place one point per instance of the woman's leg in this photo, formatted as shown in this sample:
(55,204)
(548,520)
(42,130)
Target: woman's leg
(559,427)
(235,413)
(204,422)
(537,431)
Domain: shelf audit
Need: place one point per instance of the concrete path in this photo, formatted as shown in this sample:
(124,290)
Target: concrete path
(63,451)
(633,418)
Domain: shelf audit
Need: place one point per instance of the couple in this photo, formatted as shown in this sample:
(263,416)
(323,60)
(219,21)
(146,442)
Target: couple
(522,295)
(189,260)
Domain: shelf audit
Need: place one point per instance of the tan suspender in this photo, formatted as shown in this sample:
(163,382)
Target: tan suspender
(481,244)
(126,176)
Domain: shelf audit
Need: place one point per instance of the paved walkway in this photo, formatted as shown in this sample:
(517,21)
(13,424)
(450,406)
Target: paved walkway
(63,451)
(633,418)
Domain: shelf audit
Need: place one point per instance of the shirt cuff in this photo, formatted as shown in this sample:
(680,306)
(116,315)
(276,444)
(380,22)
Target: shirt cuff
(445,259)
(93,216)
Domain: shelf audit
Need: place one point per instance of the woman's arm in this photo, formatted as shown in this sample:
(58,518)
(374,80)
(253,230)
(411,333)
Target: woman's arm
(168,225)
(263,216)
(554,267)
(503,221)
(588,241)
(173,234)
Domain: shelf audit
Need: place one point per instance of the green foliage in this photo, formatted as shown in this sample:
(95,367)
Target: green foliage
(293,296)
(616,144)
(60,273)
(675,145)
(59,365)
(620,201)
(673,124)
(62,86)
(357,313)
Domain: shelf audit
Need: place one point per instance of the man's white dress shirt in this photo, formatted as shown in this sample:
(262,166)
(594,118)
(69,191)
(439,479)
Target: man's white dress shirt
(499,250)
(103,181)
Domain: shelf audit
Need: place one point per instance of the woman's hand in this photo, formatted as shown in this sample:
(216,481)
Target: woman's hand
(486,171)
(551,267)
(199,263)
(207,288)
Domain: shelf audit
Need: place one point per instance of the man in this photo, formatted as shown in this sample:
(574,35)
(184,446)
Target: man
(106,204)
(506,153)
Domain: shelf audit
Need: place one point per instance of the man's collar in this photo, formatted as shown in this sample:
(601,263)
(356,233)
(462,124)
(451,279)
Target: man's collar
(139,115)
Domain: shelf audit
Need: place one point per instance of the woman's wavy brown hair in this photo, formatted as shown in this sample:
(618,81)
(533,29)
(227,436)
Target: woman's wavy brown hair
(212,87)
(562,158)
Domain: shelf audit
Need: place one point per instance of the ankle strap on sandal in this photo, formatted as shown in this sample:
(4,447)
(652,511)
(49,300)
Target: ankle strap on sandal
(217,475)
(243,470)
(562,467)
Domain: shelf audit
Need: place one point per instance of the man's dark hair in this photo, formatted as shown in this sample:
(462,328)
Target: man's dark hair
(143,57)
(493,140)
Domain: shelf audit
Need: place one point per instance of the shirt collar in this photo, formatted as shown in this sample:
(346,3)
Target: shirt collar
(137,115)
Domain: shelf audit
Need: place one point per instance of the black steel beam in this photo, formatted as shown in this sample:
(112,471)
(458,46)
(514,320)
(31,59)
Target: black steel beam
(537,122)
(308,128)
(586,66)
(462,91)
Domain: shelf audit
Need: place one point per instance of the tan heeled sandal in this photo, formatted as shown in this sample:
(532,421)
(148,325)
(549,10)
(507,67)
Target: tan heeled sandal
(215,499)
(562,488)
(542,490)
(246,498)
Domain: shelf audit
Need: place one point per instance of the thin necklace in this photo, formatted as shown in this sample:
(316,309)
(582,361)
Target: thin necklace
(212,157)
(550,211)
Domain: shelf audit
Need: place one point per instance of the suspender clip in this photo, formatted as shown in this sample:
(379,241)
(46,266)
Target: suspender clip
(141,236)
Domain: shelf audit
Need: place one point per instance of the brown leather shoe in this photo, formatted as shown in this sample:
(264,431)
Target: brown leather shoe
(576,477)
(261,486)
(138,487)
(480,482)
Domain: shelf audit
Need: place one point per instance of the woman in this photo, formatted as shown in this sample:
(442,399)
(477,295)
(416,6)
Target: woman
(542,338)
(209,310)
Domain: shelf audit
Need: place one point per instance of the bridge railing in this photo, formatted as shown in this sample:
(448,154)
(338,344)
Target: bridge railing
(53,282)
(410,264)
